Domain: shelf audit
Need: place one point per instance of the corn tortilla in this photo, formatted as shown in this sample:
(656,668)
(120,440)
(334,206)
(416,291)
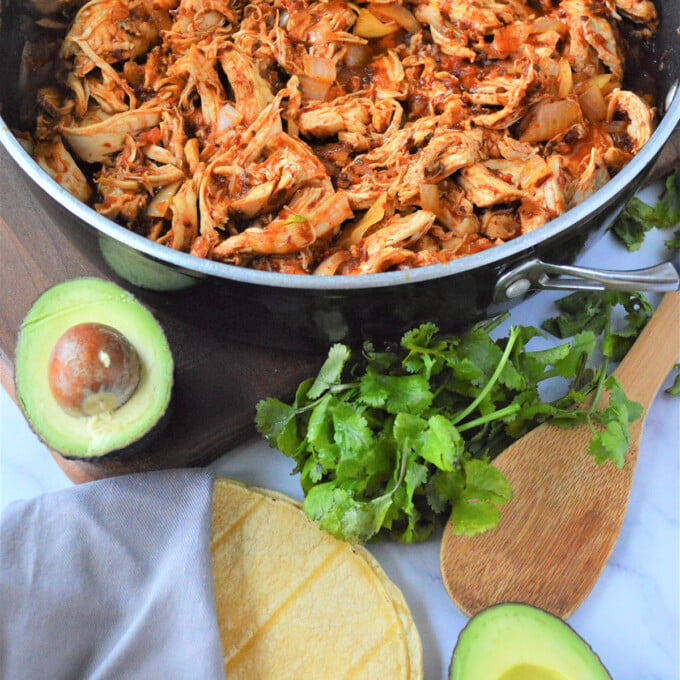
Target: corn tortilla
(294,602)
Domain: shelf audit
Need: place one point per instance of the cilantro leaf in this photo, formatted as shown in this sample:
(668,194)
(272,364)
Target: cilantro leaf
(485,482)
(422,356)
(612,442)
(579,312)
(319,427)
(582,344)
(340,514)
(296,218)
(479,348)
(405,393)
(415,528)
(470,517)
(593,312)
(477,507)
(271,417)
(638,311)
(351,430)
(667,210)
(637,218)
(330,372)
(443,488)
(443,445)
(420,337)
(674,389)
(673,243)
(619,400)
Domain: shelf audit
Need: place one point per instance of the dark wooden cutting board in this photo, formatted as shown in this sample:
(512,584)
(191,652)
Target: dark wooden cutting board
(216,388)
(217,382)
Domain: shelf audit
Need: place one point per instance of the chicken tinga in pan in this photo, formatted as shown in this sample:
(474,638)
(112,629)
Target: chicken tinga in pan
(334,137)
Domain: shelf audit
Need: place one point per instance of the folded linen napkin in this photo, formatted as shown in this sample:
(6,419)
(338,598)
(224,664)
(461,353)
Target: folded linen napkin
(111,579)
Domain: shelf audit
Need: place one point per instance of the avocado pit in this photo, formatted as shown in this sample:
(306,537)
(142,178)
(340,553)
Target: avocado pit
(93,369)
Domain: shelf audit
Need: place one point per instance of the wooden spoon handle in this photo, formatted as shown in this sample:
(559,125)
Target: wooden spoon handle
(652,357)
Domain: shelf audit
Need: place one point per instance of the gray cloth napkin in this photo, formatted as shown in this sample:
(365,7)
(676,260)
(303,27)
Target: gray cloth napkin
(111,579)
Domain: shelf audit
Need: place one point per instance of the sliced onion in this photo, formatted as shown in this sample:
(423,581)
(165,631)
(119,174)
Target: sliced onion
(604,82)
(397,13)
(593,104)
(617,127)
(429,198)
(357,55)
(372,216)
(159,204)
(550,68)
(314,89)
(227,118)
(429,14)
(565,79)
(131,185)
(320,68)
(94,142)
(159,154)
(319,75)
(52,24)
(205,21)
(535,171)
(332,263)
(510,38)
(550,119)
(545,24)
(369,26)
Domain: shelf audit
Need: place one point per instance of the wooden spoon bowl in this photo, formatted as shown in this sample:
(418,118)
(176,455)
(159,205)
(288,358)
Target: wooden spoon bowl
(557,533)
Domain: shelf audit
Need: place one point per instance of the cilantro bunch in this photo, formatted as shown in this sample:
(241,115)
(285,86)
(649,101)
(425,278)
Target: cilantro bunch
(395,440)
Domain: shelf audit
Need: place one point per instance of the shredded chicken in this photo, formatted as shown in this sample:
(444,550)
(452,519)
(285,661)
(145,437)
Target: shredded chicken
(334,137)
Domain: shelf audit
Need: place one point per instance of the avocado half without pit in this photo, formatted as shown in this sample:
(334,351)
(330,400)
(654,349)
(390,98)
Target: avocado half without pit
(93,370)
(513,641)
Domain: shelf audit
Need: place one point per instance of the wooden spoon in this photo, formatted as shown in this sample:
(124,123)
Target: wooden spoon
(558,531)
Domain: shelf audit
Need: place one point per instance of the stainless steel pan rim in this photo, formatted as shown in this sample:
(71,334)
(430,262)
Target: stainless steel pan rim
(200,268)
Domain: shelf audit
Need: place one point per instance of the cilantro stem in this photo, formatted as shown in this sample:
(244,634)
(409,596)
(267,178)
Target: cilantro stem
(598,395)
(333,389)
(603,371)
(342,387)
(600,386)
(400,478)
(496,415)
(402,470)
(512,337)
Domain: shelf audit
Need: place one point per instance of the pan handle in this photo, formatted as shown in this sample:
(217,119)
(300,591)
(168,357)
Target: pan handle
(538,275)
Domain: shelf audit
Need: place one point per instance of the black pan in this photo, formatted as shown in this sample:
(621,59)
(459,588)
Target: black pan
(306,312)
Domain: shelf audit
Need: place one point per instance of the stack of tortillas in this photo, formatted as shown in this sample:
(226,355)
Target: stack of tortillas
(294,602)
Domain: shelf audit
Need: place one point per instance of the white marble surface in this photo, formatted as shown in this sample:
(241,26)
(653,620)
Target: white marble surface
(630,618)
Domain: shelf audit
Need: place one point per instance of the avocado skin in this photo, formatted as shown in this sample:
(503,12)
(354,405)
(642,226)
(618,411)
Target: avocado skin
(133,443)
(515,625)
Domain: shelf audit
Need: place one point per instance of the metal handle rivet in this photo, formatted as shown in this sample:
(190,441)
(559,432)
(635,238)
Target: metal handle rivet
(518,288)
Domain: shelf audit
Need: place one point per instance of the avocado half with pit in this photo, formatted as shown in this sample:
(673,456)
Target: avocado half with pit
(93,370)
(514,641)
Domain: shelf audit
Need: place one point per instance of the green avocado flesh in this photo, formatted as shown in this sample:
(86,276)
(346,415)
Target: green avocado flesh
(520,642)
(90,300)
